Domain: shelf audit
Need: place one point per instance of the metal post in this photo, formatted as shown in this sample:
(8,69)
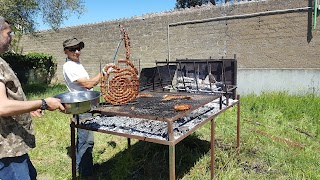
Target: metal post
(170,75)
(227,98)
(212,148)
(172,154)
(160,77)
(195,76)
(73,149)
(172,163)
(315,14)
(129,142)
(182,76)
(209,72)
(238,124)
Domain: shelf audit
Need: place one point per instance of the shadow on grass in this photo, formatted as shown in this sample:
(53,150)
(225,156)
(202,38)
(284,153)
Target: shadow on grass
(145,160)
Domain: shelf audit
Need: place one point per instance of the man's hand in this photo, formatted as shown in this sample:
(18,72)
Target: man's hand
(54,103)
(37,113)
(109,68)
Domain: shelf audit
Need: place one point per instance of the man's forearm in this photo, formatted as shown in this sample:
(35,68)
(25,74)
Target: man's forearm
(14,107)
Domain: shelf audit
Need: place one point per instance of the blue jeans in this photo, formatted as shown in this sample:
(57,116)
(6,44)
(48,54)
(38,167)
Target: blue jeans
(84,146)
(17,168)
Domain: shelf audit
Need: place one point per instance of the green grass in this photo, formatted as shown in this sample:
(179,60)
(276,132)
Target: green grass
(279,140)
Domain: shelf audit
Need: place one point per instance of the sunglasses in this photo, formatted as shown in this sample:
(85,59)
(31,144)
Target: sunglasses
(74,49)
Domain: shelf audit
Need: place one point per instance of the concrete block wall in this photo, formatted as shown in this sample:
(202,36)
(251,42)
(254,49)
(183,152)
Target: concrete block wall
(266,34)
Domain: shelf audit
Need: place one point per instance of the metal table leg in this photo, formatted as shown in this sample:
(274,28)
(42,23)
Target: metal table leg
(129,142)
(172,165)
(212,147)
(238,124)
(73,150)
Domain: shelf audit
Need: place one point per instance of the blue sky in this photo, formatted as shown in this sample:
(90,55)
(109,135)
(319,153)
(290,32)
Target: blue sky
(103,10)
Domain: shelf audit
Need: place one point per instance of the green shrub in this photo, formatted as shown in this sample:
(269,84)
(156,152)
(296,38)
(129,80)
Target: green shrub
(33,67)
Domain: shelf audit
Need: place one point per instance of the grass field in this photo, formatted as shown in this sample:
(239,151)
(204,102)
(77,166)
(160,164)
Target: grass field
(279,140)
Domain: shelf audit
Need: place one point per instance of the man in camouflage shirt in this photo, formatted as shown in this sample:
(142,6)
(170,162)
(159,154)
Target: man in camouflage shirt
(16,130)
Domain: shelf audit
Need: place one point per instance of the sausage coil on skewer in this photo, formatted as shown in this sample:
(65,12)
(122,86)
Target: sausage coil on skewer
(120,85)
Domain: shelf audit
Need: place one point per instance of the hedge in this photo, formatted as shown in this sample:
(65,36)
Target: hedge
(33,67)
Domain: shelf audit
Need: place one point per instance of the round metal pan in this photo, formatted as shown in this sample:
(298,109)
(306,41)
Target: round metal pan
(79,102)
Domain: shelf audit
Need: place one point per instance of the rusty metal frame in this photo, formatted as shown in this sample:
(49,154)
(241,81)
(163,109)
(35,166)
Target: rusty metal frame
(74,123)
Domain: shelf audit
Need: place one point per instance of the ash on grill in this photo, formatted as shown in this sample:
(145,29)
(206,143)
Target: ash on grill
(153,128)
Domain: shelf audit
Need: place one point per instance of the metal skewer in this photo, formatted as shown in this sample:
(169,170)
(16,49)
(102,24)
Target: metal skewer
(115,54)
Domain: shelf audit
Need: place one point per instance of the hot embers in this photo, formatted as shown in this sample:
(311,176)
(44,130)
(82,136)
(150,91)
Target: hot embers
(152,128)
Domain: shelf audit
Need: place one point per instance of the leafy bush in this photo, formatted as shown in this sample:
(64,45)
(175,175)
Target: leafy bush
(33,67)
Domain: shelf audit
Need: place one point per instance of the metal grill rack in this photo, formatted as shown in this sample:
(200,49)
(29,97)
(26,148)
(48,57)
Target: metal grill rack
(213,76)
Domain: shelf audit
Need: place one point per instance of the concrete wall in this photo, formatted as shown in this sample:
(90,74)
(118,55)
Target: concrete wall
(293,81)
(264,34)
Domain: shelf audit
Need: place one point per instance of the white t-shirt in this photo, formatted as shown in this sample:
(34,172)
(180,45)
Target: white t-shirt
(73,71)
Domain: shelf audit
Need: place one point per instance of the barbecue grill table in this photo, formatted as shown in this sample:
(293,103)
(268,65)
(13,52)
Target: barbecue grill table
(169,126)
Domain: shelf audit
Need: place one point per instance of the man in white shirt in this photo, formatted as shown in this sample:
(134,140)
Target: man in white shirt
(77,79)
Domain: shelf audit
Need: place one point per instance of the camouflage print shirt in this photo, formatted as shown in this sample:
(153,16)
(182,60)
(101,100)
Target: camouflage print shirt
(17,136)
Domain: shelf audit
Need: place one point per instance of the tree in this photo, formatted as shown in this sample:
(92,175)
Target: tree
(23,13)
(192,3)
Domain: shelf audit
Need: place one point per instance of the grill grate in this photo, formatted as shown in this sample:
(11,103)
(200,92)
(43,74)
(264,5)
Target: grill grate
(155,109)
